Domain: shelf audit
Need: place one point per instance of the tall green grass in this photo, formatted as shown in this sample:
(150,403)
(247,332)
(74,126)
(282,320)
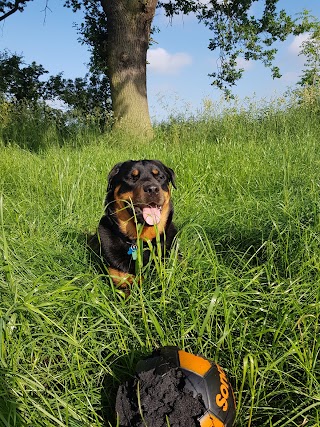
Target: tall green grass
(245,293)
(38,126)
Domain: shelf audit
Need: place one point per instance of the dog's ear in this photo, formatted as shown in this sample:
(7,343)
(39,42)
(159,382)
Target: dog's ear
(172,176)
(114,171)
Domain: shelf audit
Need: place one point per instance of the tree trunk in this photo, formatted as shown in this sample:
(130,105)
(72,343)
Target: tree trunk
(128,24)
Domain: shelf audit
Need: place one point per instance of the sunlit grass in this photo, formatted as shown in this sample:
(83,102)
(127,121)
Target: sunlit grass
(245,292)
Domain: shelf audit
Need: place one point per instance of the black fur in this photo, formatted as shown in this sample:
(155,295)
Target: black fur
(144,182)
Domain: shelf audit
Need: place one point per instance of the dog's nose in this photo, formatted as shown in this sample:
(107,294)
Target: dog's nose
(151,189)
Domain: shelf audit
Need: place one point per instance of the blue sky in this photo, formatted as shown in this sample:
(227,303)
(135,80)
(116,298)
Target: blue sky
(180,61)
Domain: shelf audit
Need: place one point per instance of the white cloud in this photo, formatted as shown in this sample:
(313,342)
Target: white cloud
(163,62)
(295,46)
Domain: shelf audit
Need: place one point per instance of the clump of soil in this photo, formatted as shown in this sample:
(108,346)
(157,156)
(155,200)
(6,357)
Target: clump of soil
(163,398)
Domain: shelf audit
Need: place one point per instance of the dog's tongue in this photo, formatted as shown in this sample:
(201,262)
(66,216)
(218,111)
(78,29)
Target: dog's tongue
(151,215)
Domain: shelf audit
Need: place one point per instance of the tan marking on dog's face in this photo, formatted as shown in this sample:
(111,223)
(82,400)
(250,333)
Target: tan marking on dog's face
(121,203)
(126,221)
(155,171)
(135,172)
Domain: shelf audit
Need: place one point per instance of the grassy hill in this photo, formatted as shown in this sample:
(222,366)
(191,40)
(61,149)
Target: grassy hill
(245,293)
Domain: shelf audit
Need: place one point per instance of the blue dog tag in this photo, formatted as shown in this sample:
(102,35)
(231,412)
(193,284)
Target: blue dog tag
(133,252)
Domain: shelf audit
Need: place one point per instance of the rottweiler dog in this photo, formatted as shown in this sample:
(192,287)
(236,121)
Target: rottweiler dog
(138,193)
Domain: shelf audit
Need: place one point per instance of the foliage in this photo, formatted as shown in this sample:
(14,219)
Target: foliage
(21,82)
(7,8)
(93,31)
(87,96)
(307,89)
(236,32)
(245,291)
(37,127)
(310,49)
(26,84)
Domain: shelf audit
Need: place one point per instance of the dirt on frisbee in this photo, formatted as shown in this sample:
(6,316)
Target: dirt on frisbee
(162,399)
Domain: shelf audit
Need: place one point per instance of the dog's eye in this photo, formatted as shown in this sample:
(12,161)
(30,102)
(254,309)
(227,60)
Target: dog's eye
(156,173)
(135,174)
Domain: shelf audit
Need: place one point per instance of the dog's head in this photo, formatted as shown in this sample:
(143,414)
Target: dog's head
(139,191)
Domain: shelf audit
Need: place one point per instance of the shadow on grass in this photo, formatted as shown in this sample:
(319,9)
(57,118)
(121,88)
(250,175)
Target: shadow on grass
(9,415)
(123,369)
(256,247)
(37,127)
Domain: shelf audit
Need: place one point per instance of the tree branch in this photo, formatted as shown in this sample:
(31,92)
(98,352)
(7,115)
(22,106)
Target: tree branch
(12,11)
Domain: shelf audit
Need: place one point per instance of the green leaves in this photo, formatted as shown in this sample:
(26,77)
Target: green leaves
(8,8)
(25,84)
(239,32)
(241,29)
(310,48)
(19,80)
